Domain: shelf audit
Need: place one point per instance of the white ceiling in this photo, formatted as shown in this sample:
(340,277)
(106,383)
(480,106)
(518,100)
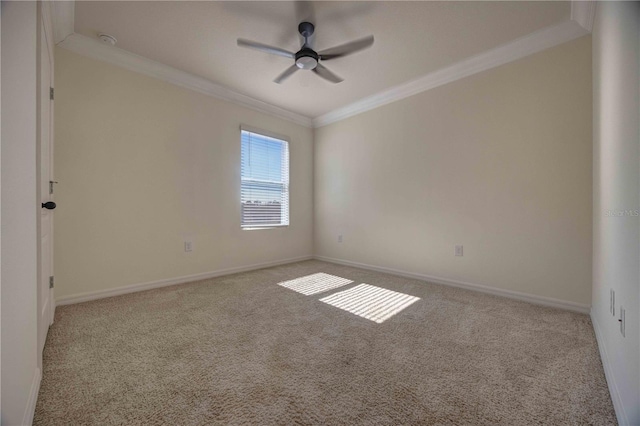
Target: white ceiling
(411,39)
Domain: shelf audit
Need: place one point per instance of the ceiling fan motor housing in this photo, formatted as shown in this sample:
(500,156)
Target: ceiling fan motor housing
(306,59)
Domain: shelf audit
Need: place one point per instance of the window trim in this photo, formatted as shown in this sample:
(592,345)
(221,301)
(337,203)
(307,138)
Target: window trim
(267,133)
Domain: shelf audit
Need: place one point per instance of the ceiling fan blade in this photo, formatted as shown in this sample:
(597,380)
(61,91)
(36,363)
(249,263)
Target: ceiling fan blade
(346,49)
(286,74)
(265,48)
(323,72)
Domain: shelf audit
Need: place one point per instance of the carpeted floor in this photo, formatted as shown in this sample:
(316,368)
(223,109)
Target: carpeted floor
(242,349)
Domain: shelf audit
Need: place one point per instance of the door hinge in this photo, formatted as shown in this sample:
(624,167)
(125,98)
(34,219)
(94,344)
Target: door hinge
(51,93)
(51,281)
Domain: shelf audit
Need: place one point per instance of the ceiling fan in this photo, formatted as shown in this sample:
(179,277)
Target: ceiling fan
(307,58)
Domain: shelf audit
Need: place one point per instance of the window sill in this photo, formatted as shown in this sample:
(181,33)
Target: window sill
(257,228)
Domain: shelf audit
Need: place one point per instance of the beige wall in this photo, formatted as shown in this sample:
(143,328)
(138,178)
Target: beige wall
(616,180)
(142,164)
(499,162)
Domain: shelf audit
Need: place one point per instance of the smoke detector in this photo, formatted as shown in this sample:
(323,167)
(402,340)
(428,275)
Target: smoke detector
(108,39)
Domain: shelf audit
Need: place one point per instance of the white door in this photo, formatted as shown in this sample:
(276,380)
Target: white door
(45,293)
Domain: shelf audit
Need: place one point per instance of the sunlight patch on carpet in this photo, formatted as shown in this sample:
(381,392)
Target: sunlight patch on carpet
(370,302)
(315,283)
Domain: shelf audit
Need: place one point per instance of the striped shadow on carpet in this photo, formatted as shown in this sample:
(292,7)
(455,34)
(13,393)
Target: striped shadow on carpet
(315,283)
(373,303)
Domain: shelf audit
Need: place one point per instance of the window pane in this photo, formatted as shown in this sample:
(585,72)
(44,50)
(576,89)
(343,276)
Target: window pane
(265,180)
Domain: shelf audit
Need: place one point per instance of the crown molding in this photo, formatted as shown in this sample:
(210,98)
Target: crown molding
(93,48)
(583,12)
(581,23)
(62,14)
(517,49)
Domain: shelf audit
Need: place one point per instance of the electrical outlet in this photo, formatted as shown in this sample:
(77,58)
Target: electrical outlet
(612,302)
(188,246)
(459,251)
(622,321)
(339,238)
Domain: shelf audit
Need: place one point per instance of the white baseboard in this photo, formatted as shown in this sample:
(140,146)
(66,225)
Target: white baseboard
(538,300)
(101,294)
(608,373)
(30,409)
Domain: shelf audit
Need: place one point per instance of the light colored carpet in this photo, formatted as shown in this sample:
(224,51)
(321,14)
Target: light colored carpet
(242,349)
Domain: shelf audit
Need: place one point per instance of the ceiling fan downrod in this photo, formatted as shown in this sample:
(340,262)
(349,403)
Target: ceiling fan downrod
(306,57)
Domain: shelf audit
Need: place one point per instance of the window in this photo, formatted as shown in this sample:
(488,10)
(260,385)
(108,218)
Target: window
(264,192)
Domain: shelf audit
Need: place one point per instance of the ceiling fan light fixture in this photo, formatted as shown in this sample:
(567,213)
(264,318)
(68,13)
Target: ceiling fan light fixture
(306,59)
(306,63)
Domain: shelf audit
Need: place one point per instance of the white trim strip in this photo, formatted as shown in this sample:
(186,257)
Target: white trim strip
(95,49)
(251,129)
(30,409)
(134,288)
(517,49)
(583,12)
(538,300)
(63,16)
(618,406)
(47,22)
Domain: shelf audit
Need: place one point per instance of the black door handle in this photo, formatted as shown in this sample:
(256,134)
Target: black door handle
(49,205)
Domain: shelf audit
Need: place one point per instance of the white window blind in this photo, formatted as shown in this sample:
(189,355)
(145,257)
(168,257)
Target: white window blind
(264,189)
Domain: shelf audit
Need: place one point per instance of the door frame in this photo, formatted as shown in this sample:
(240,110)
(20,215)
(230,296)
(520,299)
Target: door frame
(45,28)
